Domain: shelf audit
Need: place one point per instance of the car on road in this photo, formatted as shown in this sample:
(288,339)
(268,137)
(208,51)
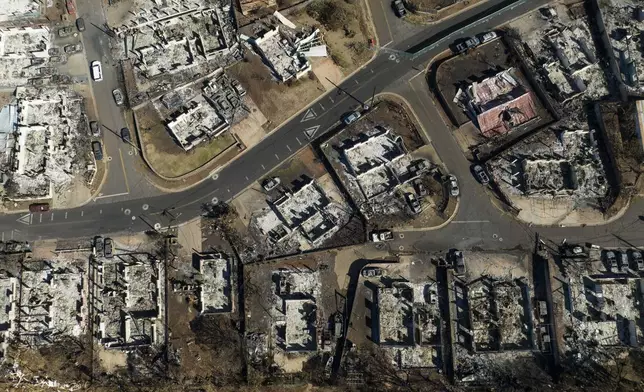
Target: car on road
(108,249)
(118,96)
(453,185)
(413,202)
(399,8)
(73,48)
(38,207)
(351,117)
(95,128)
(99,246)
(125,135)
(481,175)
(419,187)
(372,272)
(97,148)
(271,183)
(65,31)
(80,24)
(467,44)
(487,37)
(97,71)
(381,235)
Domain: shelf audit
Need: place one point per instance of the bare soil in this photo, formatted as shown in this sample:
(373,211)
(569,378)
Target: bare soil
(277,101)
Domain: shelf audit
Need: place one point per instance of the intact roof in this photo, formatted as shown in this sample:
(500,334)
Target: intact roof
(500,118)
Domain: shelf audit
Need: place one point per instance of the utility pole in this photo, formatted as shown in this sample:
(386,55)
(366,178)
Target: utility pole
(363,104)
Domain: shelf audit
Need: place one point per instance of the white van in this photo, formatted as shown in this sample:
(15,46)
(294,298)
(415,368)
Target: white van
(97,71)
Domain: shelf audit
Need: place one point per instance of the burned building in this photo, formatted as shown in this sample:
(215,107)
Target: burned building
(214,287)
(497,104)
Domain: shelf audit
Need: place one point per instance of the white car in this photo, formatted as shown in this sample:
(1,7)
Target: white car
(489,36)
(97,71)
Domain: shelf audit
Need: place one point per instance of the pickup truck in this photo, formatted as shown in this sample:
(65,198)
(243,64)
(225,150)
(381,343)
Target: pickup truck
(467,44)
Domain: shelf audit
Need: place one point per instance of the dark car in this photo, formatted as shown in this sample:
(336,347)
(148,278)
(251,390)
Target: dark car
(80,24)
(97,148)
(481,175)
(108,249)
(39,207)
(467,44)
(95,128)
(399,8)
(125,135)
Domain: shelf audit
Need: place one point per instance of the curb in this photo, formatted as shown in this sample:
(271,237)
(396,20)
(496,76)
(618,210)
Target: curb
(438,227)
(200,170)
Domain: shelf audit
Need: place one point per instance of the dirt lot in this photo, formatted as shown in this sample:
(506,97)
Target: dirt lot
(165,155)
(276,100)
(431,11)
(344,28)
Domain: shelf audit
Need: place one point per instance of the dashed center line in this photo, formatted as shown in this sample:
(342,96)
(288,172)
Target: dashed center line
(263,167)
(82,213)
(277,156)
(289,148)
(52,217)
(65,214)
(40,218)
(298,140)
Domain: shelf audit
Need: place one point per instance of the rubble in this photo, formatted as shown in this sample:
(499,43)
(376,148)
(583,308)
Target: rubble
(498,103)
(215,288)
(128,300)
(19,9)
(563,52)
(49,146)
(624,24)
(303,217)
(195,115)
(555,163)
(173,45)
(248,6)
(284,48)
(375,167)
(23,51)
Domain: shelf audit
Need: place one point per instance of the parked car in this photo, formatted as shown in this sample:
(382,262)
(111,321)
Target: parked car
(125,135)
(458,261)
(80,24)
(99,246)
(351,117)
(413,202)
(118,96)
(39,207)
(467,44)
(65,31)
(487,37)
(381,235)
(108,249)
(453,185)
(638,261)
(53,51)
(611,260)
(97,148)
(271,183)
(371,272)
(97,71)
(73,48)
(95,128)
(399,8)
(419,187)
(480,173)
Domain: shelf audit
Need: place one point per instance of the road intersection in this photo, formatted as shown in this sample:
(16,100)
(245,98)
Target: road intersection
(478,223)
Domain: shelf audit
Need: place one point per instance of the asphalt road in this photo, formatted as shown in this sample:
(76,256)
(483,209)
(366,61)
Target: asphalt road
(123,180)
(478,222)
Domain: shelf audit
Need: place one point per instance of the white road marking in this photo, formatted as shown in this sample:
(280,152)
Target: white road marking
(40,218)
(310,132)
(309,115)
(228,189)
(472,221)
(263,167)
(277,156)
(387,44)
(100,212)
(289,147)
(298,140)
(82,213)
(331,99)
(65,214)
(113,195)
(356,82)
(3,236)
(247,178)
(52,217)
(322,107)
